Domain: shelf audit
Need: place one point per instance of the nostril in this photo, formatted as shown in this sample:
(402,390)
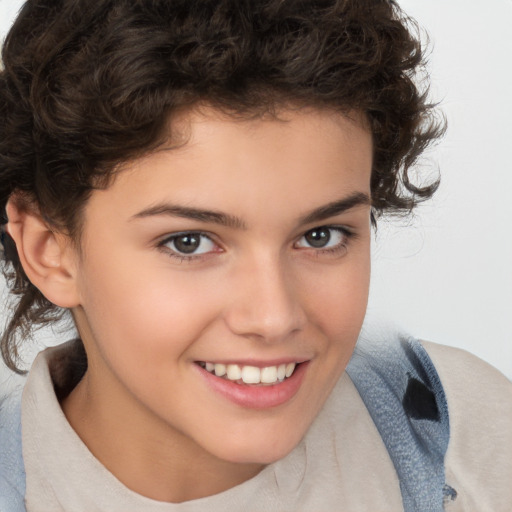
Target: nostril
(268,322)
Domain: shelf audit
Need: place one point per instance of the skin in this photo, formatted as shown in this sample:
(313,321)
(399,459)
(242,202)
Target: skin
(257,290)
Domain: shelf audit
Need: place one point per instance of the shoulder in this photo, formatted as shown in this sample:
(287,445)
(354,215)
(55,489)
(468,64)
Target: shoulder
(470,381)
(459,369)
(479,456)
(12,474)
(439,404)
(479,397)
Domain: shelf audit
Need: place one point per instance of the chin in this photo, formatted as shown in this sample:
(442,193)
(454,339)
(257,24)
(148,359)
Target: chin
(259,451)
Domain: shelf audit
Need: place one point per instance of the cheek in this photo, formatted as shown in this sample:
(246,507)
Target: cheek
(146,315)
(336,306)
(337,299)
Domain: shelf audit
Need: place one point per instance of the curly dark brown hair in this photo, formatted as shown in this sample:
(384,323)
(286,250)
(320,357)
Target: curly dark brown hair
(89,85)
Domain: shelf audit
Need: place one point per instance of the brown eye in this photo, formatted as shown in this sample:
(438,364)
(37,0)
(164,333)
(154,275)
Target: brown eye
(187,244)
(318,237)
(325,238)
(190,244)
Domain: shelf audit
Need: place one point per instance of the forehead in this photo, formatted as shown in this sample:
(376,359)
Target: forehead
(297,157)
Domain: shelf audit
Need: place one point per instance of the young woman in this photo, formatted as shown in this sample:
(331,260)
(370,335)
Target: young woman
(195,183)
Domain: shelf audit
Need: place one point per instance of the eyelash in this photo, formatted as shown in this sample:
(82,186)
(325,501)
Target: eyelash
(182,257)
(347,236)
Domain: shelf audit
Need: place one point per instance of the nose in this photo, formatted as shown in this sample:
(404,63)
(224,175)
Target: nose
(265,304)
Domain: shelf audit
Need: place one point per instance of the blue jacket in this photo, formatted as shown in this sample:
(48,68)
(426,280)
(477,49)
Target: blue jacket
(12,472)
(401,390)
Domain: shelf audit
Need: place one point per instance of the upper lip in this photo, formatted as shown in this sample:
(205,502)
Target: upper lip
(256,363)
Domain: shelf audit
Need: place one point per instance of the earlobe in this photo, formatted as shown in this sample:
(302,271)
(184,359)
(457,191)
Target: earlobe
(46,256)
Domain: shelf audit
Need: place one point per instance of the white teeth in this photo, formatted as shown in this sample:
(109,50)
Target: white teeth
(234,372)
(251,375)
(269,374)
(220,370)
(290,367)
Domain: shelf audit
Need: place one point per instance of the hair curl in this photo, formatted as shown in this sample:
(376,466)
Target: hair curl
(89,85)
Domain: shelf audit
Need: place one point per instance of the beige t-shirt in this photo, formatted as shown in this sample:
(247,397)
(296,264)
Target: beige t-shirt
(340,465)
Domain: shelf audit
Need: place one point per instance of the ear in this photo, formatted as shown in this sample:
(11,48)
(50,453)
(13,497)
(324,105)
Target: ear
(48,257)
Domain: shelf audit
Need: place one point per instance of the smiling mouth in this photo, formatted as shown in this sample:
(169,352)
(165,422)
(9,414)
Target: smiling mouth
(246,374)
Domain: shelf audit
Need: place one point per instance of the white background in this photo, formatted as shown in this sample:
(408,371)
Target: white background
(446,274)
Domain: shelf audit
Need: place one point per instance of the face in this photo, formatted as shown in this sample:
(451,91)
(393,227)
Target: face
(223,284)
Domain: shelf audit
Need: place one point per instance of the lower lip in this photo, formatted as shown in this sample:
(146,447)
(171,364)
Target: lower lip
(254,396)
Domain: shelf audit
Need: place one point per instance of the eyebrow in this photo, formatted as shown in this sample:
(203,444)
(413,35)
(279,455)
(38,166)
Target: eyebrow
(336,208)
(210,216)
(231,221)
